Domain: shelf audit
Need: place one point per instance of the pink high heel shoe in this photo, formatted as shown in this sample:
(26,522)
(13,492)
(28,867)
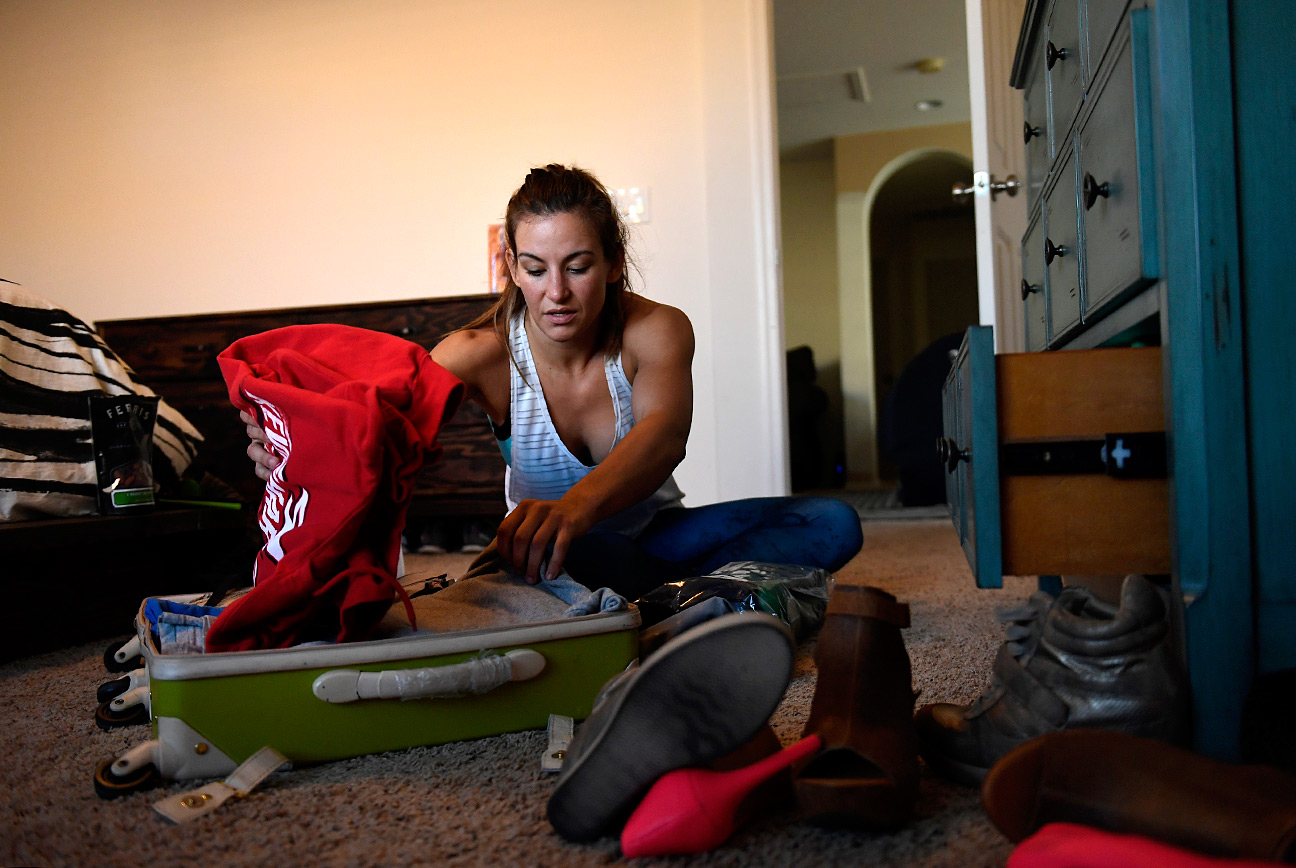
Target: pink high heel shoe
(696,810)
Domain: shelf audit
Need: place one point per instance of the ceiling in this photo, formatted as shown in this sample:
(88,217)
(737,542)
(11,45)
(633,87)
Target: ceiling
(850,66)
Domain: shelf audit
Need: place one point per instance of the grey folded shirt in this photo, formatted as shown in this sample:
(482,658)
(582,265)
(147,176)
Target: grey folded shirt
(490,596)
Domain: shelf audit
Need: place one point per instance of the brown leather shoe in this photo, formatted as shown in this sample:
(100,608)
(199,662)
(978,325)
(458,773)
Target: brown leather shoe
(1132,785)
(863,703)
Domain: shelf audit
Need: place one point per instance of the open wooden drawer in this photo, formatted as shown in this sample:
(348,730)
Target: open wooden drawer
(1055,461)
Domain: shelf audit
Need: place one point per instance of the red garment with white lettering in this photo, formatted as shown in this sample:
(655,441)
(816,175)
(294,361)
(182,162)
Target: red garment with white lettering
(1071,845)
(354,415)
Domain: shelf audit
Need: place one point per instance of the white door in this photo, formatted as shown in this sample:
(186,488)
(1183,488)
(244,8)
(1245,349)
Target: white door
(998,154)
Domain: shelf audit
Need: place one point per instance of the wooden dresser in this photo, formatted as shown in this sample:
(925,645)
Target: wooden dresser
(176,356)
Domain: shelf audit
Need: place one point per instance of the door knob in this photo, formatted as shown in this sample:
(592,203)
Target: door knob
(1009,185)
(984,180)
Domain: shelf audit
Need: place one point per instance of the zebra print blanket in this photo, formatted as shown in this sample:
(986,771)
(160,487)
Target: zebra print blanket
(50,362)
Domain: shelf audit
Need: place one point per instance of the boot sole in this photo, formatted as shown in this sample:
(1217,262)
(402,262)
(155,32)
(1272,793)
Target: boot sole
(703,695)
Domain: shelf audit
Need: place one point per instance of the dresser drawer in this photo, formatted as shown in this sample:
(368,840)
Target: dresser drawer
(1036,129)
(468,477)
(1060,524)
(1044,523)
(1100,22)
(1062,250)
(970,452)
(1065,68)
(176,356)
(185,352)
(1118,187)
(1032,288)
(185,348)
(423,321)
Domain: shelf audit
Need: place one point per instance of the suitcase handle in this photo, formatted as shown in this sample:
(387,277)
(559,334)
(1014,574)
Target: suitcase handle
(479,675)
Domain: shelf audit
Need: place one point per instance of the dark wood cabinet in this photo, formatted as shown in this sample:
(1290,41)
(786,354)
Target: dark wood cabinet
(176,356)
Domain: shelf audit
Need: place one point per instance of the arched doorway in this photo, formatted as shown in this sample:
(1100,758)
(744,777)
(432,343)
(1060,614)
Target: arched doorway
(907,276)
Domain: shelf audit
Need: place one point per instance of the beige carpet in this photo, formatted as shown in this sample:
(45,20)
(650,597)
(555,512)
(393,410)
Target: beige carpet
(480,802)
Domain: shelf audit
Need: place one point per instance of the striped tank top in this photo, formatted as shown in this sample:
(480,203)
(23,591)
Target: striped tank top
(540,466)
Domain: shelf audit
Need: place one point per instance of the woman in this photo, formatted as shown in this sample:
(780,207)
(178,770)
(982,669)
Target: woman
(589,390)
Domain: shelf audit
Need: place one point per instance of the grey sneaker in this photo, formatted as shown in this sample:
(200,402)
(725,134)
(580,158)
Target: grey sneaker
(439,537)
(702,695)
(1070,663)
(477,535)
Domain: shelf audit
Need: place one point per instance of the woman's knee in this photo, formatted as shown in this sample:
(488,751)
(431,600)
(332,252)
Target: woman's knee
(843,526)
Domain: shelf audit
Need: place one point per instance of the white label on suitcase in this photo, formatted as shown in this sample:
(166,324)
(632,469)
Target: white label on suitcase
(560,732)
(189,806)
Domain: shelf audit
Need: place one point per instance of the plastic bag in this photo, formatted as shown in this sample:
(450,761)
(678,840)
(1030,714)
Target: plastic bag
(796,595)
(122,433)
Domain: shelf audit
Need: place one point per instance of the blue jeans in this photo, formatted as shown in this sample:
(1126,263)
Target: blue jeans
(692,541)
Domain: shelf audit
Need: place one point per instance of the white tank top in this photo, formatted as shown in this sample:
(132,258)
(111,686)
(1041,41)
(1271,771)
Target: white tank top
(540,466)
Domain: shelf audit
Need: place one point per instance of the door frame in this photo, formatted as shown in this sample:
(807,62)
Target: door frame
(855,316)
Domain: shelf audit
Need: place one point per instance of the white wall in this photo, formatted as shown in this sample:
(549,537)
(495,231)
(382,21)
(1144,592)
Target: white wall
(163,157)
(809,210)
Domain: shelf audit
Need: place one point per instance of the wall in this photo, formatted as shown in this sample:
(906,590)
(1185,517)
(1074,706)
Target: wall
(827,265)
(810,296)
(859,159)
(807,198)
(863,163)
(182,157)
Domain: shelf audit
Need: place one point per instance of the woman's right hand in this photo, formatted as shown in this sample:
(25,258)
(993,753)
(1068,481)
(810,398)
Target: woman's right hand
(263,460)
(540,529)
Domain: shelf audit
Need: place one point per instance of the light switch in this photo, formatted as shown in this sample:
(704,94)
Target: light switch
(632,203)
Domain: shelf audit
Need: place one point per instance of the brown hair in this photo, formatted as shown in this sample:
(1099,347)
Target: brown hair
(555,189)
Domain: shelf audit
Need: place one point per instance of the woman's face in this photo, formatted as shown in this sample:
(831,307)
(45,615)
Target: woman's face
(560,267)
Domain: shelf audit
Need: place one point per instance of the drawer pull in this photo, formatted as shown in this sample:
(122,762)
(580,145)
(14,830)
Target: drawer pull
(1029,132)
(950,454)
(1092,190)
(198,348)
(1052,54)
(1052,251)
(1028,288)
(1140,455)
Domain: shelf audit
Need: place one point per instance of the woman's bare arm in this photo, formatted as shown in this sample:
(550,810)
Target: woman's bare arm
(658,354)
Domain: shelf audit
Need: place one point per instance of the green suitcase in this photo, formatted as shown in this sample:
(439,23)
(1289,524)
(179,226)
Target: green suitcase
(317,703)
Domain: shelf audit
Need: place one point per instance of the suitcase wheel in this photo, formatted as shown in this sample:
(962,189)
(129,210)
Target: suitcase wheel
(112,664)
(107,718)
(110,786)
(110,690)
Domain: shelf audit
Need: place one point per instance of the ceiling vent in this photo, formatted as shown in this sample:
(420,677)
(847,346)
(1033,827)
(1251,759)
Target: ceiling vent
(818,88)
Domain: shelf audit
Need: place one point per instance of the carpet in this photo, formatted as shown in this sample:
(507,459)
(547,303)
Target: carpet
(479,802)
(884,505)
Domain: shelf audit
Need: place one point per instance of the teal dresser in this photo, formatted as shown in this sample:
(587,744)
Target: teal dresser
(1162,209)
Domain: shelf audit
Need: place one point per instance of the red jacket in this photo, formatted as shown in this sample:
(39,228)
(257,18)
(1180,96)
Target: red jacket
(353,414)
